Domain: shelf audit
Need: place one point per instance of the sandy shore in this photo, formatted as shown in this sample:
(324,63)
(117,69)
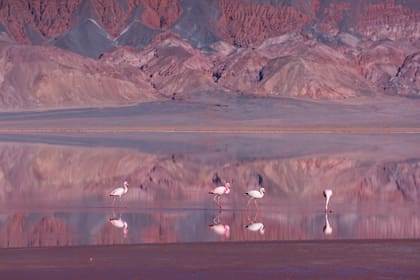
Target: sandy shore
(388,259)
(218,129)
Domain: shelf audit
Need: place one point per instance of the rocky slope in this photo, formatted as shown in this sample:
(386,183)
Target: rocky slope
(305,49)
(35,77)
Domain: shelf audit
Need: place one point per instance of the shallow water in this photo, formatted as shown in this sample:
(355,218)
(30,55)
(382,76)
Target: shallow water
(93,226)
(54,187)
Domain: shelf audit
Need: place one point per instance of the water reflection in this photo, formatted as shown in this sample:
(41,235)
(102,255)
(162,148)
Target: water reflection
(58,195)
(87,227)
(218,227)
(256,226)
(327,229)
(120,224)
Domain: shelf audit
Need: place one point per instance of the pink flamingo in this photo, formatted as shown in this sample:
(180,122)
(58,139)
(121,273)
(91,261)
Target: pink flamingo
(119,191)
(219,191)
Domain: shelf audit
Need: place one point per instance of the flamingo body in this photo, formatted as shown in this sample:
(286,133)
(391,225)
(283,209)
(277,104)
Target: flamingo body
(119,191)
(219,191)
(256,193)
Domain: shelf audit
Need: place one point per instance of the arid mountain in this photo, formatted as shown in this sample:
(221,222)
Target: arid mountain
(35,77)
(317,49)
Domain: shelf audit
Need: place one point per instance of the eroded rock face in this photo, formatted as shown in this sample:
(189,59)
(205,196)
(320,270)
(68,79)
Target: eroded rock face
(244,23)
(172,66)
(306,49)
(407,80)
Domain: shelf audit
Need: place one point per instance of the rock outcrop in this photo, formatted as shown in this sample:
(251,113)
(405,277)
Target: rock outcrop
(305,49)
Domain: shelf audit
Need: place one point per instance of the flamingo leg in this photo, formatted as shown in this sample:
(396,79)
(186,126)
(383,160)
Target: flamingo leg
(218,202)
(249,201)
(113,201)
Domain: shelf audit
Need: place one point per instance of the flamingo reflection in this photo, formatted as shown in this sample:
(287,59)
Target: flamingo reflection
(219,228)
(256,227)
(120,224)
(327,229)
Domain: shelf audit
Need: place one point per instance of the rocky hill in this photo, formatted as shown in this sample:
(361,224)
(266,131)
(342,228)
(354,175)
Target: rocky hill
(130,51)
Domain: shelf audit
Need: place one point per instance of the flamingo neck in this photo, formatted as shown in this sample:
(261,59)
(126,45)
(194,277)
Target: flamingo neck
(326,202)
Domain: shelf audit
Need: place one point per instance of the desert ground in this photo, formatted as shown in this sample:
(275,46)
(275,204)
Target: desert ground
(250,260)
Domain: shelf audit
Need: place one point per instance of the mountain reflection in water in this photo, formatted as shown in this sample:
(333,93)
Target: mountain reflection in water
(98,226)
(56,195)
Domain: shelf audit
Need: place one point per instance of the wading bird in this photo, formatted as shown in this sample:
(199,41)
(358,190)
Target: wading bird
(327,194)
(219,191)
(118,192)
(254,195)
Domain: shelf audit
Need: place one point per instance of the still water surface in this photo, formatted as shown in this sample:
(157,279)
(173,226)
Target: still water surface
(53,188)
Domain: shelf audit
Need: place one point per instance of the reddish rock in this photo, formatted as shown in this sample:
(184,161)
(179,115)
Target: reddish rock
(46,17)
(294,67)
(171,64)
(389,21)
(406,82)
(161,14)
(245,24)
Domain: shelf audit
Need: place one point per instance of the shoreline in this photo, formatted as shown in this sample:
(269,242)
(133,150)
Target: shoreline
(320,259)
(218,129)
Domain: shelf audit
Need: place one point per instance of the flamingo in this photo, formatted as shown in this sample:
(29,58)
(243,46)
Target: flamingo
(327,194)
(119,191)
(119,223)
(219,191)
(254,195)
(256,227)
(327,229)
